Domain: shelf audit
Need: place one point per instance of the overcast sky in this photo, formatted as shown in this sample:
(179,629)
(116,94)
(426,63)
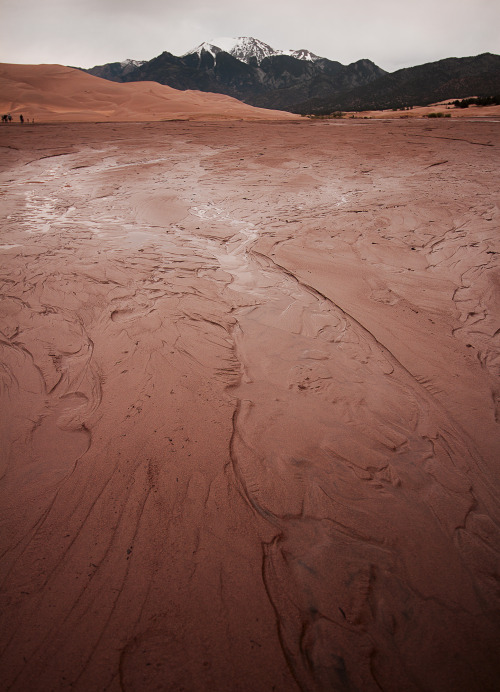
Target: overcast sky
(392,33)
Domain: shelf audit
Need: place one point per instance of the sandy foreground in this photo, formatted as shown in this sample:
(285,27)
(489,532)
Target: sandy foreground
(250,406)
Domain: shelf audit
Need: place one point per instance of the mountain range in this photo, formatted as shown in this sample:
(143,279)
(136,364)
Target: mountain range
(250,50)
(302,82)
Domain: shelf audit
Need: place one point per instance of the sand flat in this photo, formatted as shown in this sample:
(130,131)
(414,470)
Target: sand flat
(250,406)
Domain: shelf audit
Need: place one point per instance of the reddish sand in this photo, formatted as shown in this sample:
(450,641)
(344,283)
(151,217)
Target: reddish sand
(53,93)
(250,406)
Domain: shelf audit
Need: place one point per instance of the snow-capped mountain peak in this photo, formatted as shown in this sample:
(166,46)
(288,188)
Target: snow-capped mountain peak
(246,48)
(207,47)
(242,48)
(303,54)
(132,63)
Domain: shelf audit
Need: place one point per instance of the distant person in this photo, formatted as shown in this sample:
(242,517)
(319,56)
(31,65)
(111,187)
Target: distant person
(21,118)
(4,118)
(10,118)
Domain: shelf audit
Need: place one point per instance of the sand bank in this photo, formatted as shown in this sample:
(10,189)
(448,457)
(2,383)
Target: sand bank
(250,406)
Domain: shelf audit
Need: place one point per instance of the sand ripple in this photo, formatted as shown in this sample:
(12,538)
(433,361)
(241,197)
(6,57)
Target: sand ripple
(250,403)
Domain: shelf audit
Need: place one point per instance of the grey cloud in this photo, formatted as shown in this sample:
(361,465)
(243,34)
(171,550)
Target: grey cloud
(390,32)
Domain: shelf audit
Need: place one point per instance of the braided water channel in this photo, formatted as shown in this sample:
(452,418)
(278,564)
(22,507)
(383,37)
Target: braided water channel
(383,528)
(356,466)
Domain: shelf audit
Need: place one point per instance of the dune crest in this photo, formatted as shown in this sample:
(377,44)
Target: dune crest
(52,93)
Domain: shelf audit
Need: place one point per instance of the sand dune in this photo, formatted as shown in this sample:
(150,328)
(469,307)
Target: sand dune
(250,407)
(49,93)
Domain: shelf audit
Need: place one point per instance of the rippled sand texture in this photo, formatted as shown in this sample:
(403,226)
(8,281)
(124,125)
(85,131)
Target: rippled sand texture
(250,407)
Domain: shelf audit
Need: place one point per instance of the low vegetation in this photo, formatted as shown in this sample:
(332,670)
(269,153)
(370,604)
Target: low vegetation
(478,101)
(327,116)
(439,114)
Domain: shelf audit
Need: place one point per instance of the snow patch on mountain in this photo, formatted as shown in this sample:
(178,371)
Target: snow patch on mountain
(207,47)
(132,63)
(245,48)
(302,54)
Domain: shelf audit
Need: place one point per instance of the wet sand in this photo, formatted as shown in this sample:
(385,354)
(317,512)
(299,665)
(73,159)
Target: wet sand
(250,406)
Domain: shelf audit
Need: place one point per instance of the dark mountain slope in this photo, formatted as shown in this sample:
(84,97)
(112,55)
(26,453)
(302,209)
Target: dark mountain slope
(221,74)
(421,85)
(333,77)
(318,86)
(280,81)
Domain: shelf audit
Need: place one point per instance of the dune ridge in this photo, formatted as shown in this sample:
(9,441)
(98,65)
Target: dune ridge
(52,93)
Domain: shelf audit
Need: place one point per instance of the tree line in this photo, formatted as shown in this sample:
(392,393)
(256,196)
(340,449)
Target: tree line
(478,101)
